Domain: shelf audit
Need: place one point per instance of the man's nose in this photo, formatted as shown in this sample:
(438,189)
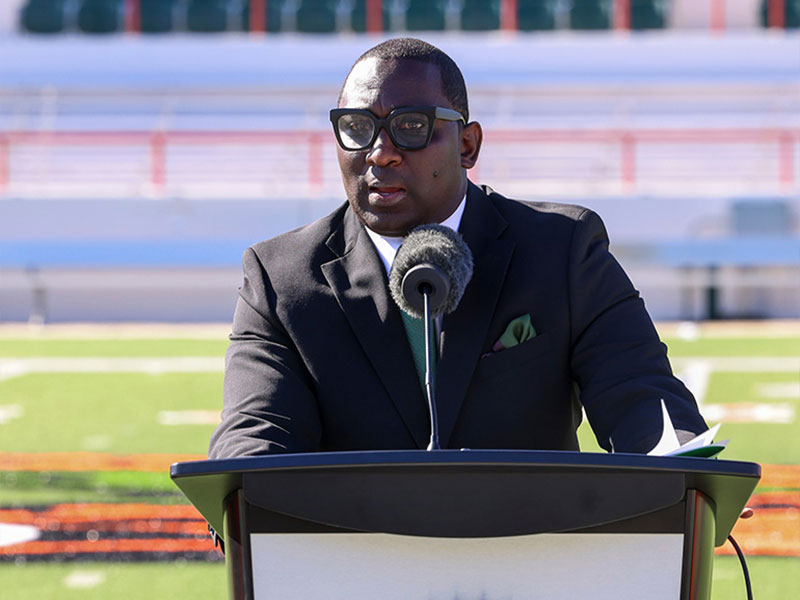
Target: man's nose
(383,152)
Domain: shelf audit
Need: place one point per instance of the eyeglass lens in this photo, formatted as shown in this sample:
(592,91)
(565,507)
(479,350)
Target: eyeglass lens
(406,129)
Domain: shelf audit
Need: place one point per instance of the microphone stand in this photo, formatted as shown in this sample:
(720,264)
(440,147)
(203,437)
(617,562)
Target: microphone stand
(426,290)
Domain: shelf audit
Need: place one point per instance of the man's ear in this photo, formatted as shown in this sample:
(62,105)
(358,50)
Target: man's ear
(471,140)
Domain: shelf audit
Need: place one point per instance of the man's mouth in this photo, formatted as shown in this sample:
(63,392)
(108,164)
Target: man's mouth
(386,194)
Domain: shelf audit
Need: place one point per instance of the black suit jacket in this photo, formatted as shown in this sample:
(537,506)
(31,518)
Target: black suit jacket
(319,359)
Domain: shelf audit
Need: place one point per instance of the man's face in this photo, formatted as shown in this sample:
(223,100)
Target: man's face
(391,190)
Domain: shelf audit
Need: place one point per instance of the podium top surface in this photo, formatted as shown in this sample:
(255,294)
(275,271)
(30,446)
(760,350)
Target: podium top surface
(207,483)
(473,457)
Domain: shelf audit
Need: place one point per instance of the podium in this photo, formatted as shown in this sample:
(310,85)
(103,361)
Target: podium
(468,524)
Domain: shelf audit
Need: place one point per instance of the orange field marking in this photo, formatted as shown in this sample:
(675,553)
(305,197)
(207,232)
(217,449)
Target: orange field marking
(780,476)
(58,515)
(70,529)
(91,461)
(148,545)
(778,499)
(772,532)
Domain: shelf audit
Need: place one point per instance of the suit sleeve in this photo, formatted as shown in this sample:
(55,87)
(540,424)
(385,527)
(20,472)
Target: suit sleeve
(617,360)
(269,404)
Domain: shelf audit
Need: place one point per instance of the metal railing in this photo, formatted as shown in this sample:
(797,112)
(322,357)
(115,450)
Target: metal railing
(302,164)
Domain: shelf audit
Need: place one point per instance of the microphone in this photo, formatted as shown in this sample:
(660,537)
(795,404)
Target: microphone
(435,256)
(429,274)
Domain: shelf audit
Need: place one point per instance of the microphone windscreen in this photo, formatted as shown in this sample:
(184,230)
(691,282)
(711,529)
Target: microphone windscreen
(441,247)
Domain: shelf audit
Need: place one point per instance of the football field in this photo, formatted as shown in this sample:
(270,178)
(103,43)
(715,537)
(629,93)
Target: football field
(91,417)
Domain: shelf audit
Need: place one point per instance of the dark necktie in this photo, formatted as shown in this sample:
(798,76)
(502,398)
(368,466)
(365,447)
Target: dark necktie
(415,331)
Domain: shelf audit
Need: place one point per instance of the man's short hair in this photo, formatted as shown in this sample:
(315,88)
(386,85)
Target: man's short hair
(453,86)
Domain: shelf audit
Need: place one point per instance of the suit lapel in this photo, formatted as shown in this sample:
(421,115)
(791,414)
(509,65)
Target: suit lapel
(358,280)
(464,330)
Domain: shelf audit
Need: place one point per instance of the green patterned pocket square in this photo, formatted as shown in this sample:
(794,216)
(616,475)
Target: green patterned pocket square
(519,330)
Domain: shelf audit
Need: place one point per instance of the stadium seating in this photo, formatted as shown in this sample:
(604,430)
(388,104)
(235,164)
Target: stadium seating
(329,16)
(207,15)
(100,16)
(358,16)
(480,15)
(791,14)
(43,16)
(274,14)
(590,14)
(155,16)
(647,14)
(536,15)
(317,16)
(425,15)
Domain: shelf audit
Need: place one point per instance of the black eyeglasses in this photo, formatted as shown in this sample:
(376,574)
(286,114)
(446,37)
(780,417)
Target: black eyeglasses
(409,127)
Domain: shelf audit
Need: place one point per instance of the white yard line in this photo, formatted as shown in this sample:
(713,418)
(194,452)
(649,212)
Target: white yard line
(772,328)
(188,417)
(780,390)
(9,411)
(115,331)
(747,412)
(11,533)
(771,364)
(696,372)
(84,579)
(16,367)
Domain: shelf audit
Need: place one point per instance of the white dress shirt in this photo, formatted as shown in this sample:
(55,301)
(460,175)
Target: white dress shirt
(387,246)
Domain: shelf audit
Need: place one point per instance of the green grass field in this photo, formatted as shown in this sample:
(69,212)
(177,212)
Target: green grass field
(200,581)
(104,581)
(48,406)
(108,412)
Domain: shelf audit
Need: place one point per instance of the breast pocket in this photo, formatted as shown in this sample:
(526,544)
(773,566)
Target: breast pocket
(515,358)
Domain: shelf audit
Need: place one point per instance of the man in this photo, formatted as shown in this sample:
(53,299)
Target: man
(319,358)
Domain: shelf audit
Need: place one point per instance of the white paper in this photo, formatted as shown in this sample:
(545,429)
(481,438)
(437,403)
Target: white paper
(669,445)
(669,439)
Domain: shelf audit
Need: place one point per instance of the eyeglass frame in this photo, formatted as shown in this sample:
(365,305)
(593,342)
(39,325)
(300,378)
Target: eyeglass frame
(432,112)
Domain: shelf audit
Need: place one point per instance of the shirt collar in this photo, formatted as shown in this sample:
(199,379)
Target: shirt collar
(387,246)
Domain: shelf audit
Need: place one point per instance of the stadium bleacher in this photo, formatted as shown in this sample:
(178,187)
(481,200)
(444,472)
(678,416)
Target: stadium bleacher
(587,15)
(158,158)
(228,174)
(269,18)
(316,16)
(207,16)
(790,19)
(358,17)
(99,16)
(329,16)
(43,16)
(536,15)
(479,15)
(156,16)
(648,15)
